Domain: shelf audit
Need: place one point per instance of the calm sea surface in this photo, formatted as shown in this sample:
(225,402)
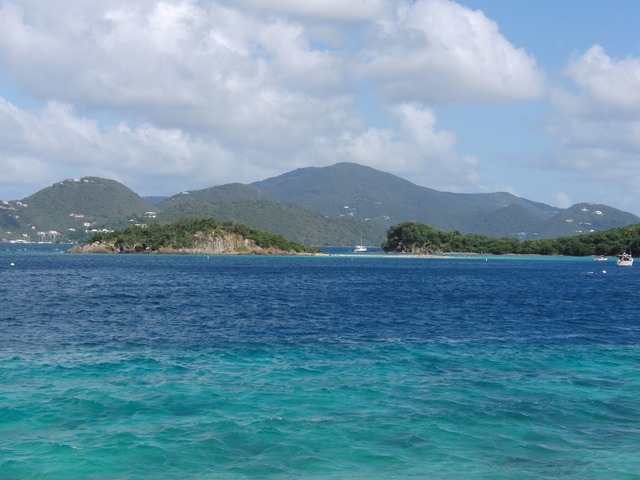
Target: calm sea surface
(340,367)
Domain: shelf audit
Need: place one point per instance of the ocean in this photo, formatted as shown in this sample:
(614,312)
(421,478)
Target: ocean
(329,367)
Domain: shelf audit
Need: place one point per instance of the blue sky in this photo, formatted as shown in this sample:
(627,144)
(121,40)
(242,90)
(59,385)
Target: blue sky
(539,98)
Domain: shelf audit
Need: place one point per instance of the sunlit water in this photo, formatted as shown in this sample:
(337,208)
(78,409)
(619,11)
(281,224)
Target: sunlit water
(355,366)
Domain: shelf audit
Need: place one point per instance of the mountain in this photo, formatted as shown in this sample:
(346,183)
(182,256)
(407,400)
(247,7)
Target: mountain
(154,200)
(348,189)
(351,190)
(585,218)
(245,204)
(231,192)
(335,205)
(69,208)
(511,220)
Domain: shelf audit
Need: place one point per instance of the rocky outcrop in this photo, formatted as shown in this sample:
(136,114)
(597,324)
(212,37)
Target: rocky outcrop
(206,244)
(98,247)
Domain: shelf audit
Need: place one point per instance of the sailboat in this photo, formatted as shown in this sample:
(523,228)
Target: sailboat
(361,247)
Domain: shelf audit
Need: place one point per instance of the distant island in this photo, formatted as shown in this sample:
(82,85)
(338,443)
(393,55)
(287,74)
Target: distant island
(192,236)
(415,237)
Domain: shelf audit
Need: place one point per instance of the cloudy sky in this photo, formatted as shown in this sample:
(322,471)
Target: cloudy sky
(540,98)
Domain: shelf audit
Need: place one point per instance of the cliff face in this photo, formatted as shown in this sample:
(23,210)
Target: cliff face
(205,245)
(216,244)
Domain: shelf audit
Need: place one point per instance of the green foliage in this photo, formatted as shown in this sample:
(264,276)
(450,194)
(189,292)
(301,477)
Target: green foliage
(385,200)
(231,192)
(67,206)
(415,237)
(187,232)
(290,221)
(337,205)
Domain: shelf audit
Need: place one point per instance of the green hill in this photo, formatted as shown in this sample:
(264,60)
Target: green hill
(359,192)
(513,220)
(290,221)
(232,192)
(10,223)
(348,189)
(585,218)
(335,205)
(73,207)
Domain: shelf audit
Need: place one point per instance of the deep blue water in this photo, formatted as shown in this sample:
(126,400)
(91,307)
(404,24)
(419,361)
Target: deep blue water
(358,366)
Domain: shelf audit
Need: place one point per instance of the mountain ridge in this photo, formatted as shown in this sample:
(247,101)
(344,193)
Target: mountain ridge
(334,205)
(398,200)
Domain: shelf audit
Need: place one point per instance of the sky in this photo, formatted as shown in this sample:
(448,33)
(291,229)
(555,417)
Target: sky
(538,98)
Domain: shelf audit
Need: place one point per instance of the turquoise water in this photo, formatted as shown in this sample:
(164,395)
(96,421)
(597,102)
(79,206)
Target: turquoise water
(323,367)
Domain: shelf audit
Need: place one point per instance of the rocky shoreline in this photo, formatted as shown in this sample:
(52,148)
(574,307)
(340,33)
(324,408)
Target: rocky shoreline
(210,245)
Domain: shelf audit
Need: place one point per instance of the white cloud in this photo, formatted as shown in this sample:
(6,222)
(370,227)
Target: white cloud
(178,94)
(596,125)
(607,85)
(183,62)
(148,59)
(561,199)
(414,149)
(297,65)
(438,51)
(56,143)
(333,10)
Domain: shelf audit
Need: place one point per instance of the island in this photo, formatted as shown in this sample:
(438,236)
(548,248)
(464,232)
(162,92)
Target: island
(418,238)
(192,236)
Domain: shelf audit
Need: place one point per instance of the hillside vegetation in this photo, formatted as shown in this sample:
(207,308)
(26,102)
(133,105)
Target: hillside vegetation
(414,237)
(339,205)
(68,209)
(290,221)
(196,235)
(97,199)
(382,199)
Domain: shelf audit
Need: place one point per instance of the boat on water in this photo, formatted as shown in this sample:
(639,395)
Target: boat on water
(360,247)
(625,260)
(600,259)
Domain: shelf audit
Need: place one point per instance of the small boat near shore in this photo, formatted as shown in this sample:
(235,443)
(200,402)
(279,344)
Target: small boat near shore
(625,260)
(360,247)
(601,259)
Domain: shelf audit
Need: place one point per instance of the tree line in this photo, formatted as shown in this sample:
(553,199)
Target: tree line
(186,232)
(415,237)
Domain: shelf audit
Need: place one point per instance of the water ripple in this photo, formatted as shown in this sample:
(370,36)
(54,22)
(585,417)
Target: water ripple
(226,367)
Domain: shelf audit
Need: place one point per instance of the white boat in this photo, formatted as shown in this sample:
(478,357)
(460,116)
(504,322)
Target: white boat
(361,247)
(600,259)
(625,260)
